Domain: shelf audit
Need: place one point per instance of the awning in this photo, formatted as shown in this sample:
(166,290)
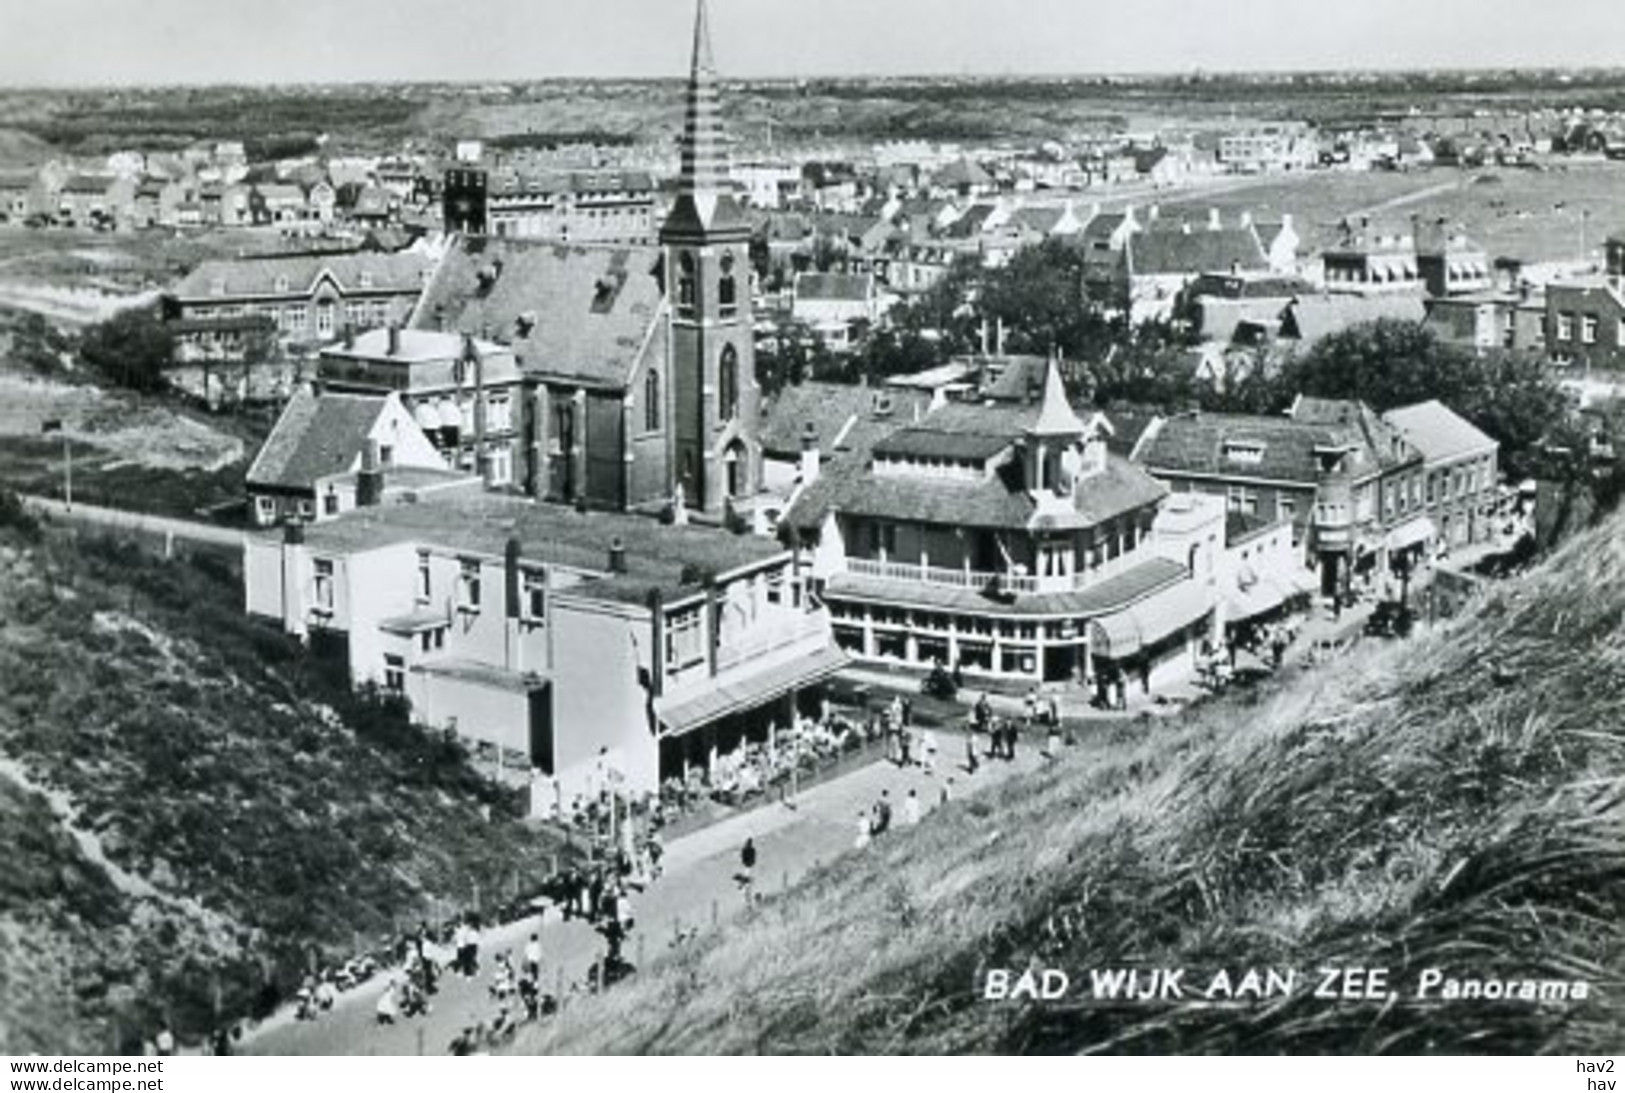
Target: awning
(748,693)
(1256,598)
(1413,532)
(1124,633)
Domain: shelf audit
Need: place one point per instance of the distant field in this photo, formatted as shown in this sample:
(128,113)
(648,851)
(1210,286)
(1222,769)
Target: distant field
(118,262)
(1508,211)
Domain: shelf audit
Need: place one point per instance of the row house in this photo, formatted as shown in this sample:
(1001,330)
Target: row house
(310,298)
(21,196)
(574,645)
(576,206)
(1007,541)
(1585,317)
(1346,483)
(1157,264)
(1429,259)
(1270,149)
(95,201)
(1459,463)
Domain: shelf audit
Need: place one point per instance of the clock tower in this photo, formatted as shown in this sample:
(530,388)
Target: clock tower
(712,397)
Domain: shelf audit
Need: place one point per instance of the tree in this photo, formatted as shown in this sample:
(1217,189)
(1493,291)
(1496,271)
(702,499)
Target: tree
(131,349)
(1386,363)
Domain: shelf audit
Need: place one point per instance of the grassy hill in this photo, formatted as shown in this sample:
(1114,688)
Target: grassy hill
(1454,802)
(189,806)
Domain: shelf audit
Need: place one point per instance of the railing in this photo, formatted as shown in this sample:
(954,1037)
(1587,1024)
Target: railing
(976,579)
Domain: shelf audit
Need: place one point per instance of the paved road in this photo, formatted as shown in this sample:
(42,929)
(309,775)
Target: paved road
(697,888)
(184,530)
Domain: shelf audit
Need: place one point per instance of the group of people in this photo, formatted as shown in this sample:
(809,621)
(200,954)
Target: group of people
(877,819)
(908,744)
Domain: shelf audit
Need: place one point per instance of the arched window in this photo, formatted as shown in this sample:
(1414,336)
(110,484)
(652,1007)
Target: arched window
(651,402)
(727,290)
(685,285)
(728,384)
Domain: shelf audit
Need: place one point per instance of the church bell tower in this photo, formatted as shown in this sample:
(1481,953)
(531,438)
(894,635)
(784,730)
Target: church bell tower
(714,401)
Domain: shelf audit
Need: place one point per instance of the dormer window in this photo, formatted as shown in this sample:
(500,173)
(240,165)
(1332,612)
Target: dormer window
(1246,453)
(366,278)
(282,283)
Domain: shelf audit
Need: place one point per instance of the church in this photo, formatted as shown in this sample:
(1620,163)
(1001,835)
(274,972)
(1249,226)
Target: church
(639,366)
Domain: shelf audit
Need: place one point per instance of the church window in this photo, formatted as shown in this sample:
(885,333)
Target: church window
(728,384)
(651,402)
(727,289)
(685,286)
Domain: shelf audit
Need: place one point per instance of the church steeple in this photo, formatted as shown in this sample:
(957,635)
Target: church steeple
(705,201)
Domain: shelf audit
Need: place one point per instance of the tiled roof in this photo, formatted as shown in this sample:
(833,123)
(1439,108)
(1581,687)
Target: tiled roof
(962,172)
(1313,317)
(657,555)
(1112,594)
(834,286)
(573,313)
(1438,432)
(259,276)
(828,407)
(936,444)
(87,184)
(1195,444)
(1039,218)
(1200,250)
(1232,287)
(317,436)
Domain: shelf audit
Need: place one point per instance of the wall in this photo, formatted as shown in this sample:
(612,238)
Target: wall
(598,701)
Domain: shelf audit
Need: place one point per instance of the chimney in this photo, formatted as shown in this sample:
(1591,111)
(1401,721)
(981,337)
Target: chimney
(394,339)
(617,555)
(510,574)
(1214,220)
(369,486)
(809,454)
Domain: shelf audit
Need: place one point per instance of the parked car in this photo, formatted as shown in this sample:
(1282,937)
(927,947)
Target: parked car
(1391,619)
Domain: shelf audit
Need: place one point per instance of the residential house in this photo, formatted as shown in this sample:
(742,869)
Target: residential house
(95,201)
(19,196)
(1308,319)
(1585,317)
(1279,238)
(1003,539)
(962,178)
(1269,149)
(1323,477)
(837,306)
(157,203)
(1156,265)
(331,452)
(1460,468)
(1494,320)
(466,394)
(587,651)
(1368,260)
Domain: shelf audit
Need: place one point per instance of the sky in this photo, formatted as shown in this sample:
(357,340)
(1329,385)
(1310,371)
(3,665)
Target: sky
(111,42)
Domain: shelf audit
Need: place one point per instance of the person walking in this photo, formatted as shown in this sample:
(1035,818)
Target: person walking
(883,812)
(911,809)
(904,738)
(928,751)
(533,957)
(947,790)
(1010,735)
(864,823)
(747,865)
(1052,746)
(388,1007)
(970,753)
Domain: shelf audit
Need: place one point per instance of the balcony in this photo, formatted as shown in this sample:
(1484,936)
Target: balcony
(791,632)
(977,580)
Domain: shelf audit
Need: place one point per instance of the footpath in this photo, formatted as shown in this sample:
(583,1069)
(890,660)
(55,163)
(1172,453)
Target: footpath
(696,891)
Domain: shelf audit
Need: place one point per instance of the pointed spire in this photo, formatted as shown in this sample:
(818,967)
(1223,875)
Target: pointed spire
(705,152)
(1055,416)
(704,192)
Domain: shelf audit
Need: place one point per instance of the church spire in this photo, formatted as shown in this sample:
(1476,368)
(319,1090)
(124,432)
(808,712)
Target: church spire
(704,191)
(705,152)
(1055,415)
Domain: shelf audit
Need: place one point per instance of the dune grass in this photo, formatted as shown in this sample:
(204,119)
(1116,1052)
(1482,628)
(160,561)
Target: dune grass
(1451,802)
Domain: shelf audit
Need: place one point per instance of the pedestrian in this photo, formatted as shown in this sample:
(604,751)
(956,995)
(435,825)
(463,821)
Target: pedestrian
(1054,710)
(864,821)
(165,1041)
(903,740)
(883,812)
(970,753)
(1277,649)
(595,895)
(984,713)
(1010,735)
(1029,705)
(906,712)
(959,674)
(1052,746)
(1121,685)
(747,864)
(533,957)
(911,809)
(388,1007)
(928,751)
(1145,675)
(947,790)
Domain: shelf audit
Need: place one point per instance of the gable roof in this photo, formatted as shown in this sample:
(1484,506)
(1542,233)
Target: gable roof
(1310,318)
(834,286)
(260,276)
(1380,438)
(827,407)
(315,437)
(586,314)
(1195,444)
(1438,432)
(1200,250)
